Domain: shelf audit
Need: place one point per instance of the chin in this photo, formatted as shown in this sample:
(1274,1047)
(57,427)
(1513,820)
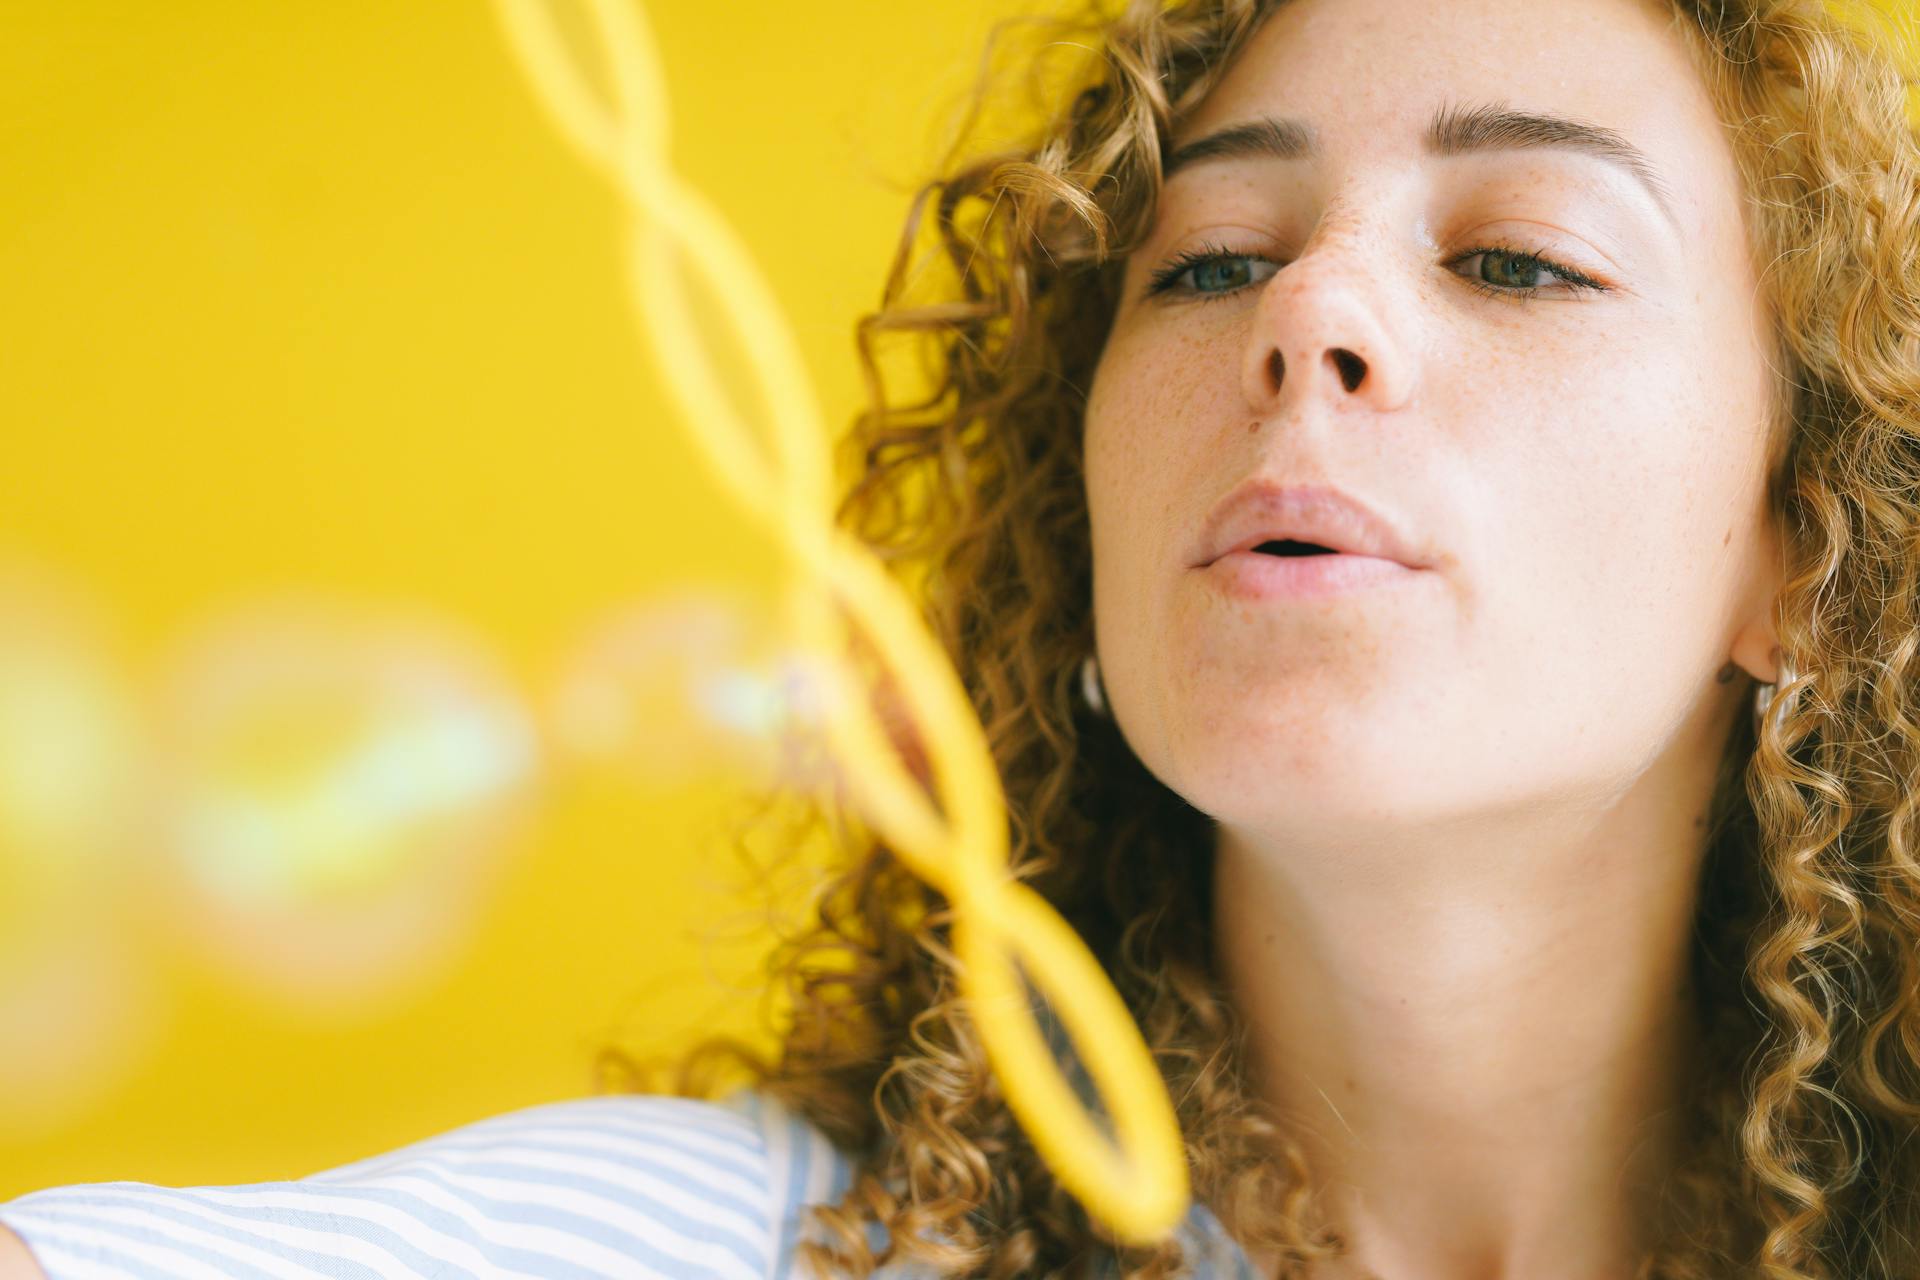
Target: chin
(1235,770)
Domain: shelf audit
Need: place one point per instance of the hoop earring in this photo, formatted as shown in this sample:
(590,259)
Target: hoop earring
(1092,689)
(1763,692)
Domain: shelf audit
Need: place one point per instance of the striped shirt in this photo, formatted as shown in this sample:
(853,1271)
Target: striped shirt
(634,1186)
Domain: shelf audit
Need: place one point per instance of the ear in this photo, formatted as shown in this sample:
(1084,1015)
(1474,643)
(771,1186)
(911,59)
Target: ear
(1757,653)
(1756,645)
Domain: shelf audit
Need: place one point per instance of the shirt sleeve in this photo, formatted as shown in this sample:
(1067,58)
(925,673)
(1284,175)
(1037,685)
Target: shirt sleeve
(803,1169)
(635,1187)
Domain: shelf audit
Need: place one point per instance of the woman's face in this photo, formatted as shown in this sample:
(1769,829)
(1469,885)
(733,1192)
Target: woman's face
(1568,434)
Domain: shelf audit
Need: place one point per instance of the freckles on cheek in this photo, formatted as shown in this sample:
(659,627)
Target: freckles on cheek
(1137,399)
(1177,382)
(1153,456)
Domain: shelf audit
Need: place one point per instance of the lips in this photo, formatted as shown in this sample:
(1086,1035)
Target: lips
(1264,515)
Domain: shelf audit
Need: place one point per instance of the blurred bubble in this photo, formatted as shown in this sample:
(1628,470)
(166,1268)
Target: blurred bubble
(687,685)
(77,1016)
(74,1010)
(340,787)
(67,748)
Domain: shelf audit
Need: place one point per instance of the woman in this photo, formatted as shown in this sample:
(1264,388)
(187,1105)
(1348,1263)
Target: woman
(1481,444)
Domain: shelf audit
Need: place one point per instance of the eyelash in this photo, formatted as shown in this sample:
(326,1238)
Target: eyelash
(1575,281)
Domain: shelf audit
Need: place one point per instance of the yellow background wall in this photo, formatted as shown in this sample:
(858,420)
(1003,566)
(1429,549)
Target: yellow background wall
(308,314)
(308,300)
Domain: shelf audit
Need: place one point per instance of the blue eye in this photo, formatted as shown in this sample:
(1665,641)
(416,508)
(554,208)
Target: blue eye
(1213,272)
(1519,264)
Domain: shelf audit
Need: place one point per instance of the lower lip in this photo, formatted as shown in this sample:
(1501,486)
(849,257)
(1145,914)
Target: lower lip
(1255,576)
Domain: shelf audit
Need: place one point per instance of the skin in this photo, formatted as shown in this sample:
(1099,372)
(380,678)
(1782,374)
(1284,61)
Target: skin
(15,1262)
(1459,816)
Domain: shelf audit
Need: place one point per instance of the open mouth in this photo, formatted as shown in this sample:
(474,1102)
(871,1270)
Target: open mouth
(1288,547)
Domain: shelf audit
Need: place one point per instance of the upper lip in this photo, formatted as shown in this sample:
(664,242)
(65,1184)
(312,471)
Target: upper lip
(1261,510)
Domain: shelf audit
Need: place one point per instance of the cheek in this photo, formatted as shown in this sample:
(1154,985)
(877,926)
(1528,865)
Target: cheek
(1133,413)
(1158,404)
(1618,466)
(1143,462)
(1129,391)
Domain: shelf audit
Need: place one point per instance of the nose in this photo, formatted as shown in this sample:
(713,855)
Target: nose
(1319,330)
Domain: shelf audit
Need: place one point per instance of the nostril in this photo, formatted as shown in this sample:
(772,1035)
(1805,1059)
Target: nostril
(1276,367)
(1352,368)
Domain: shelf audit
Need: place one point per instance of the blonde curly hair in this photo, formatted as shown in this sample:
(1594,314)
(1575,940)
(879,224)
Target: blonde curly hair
(1807,943)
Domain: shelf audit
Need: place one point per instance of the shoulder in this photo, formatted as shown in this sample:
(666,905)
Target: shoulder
(15,1262)
(624,1186)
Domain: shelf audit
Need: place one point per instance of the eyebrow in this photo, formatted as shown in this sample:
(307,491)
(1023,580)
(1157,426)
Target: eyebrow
(1454,131)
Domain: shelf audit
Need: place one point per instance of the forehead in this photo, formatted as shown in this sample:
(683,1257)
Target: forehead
(1367,76)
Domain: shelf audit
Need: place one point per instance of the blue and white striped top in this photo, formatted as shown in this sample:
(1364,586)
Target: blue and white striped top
(634,1186)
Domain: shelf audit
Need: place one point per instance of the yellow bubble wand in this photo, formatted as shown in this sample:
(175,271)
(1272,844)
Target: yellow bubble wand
(1140,1190)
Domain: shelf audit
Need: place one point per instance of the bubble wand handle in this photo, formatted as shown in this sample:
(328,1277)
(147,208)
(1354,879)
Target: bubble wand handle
(1136,1185)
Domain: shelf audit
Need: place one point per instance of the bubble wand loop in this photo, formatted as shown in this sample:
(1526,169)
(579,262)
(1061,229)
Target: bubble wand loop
(1140,1191)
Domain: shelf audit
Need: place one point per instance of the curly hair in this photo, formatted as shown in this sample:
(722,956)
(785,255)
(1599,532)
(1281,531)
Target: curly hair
(1807,942)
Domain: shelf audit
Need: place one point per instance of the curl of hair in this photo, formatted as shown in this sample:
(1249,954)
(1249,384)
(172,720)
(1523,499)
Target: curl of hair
(1807,942)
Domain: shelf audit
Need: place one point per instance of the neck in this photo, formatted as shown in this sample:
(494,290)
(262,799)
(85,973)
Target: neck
(1483,1038)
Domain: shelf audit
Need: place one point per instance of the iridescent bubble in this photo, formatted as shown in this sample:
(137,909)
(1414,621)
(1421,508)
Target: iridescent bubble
(341,786)
(74,1010)
(77,1016)
(681,687)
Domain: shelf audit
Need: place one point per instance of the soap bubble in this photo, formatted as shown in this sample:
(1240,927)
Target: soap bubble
(74,1009)
(341,786)
(77,1014)
(66,761)
(690,685)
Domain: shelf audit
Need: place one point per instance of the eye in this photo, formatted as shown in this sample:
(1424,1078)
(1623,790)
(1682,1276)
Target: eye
(1215,272)
(1504,272)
